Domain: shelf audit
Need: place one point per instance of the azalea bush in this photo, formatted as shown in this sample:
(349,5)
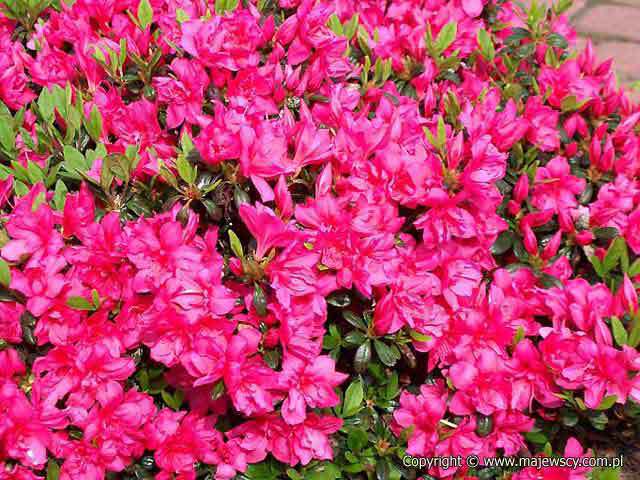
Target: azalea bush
(305,239)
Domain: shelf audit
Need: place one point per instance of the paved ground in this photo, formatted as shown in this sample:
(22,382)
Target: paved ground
(614,28)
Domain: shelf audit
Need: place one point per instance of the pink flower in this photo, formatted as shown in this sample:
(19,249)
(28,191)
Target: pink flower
(543,123)
(301,443)
(185,94)
(116,425)
(311,385)
(31,228)
(555,188)
(180,440)
(266,227)
(422,413)
(10,328)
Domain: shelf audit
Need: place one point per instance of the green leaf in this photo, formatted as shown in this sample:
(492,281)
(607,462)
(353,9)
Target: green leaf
(446,37)
(615,252)
(95,297)
(182,16)
(606,473)
(236,245)
(487,48)
(353,397)
(389,355)
(538,438)
(34,172)
(46,106)
(606,233)
(5,274)
(20,188)
(562,6)
(619,332)
(173,401)
(335,25)
(186,171)
(557,40)
(357,439)
(503,243)
(39,200)
(53,470)
(634,269)
(419,337)
(442,132)
(80,303)
(339,299)
(519,335)
(145,14)
(7,135)
(224,6)
(362,357)
(607,402)
(94,124)
(351,27)
(597,266)
(355,337)
(354,319)
(293,474)
(259,300)
(571,103)
(74,161)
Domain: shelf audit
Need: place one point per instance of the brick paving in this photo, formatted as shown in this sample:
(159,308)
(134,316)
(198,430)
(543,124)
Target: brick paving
(614,28)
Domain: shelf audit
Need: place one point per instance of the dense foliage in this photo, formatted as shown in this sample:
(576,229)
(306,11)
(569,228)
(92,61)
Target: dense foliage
(305,238)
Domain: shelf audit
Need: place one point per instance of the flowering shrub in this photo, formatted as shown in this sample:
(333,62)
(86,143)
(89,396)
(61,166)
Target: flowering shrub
(305,238)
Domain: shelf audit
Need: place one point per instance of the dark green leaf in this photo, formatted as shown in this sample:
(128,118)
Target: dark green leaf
(557,40)
(357,439)
(389,355)
(339,299)
(606,233)
(259,300)
(354,319)
(363,357)
(503,243)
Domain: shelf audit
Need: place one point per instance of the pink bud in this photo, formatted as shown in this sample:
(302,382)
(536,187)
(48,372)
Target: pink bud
(513,208)
(608,157)
(585,237)
(570,125)
(565,221)
(235,265)
(530,240)
(629,295)
(571,149)
(324,181)
(537,219)
(283,198)
(552,247)
(521,189)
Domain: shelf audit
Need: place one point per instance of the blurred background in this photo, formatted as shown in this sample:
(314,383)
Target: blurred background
(614,28)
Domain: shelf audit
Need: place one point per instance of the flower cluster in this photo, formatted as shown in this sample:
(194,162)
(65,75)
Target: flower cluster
(307,237)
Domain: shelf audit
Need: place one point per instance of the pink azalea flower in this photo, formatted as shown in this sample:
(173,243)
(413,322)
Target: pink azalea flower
(555,188)
(309,385)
